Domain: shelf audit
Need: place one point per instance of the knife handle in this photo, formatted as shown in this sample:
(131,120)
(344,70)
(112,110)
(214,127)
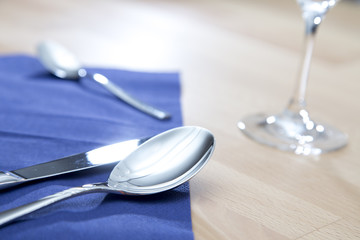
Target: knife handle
(15,213)
(8,179)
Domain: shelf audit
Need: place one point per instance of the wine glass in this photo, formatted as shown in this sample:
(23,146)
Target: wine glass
(293,129)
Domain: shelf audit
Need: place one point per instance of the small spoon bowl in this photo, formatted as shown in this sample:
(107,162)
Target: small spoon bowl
(160,164)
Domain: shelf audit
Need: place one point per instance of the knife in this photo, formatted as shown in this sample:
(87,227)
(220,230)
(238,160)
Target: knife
(98,157)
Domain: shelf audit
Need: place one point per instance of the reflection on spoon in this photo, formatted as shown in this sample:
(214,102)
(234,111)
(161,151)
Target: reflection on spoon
(162,163)
(63,64)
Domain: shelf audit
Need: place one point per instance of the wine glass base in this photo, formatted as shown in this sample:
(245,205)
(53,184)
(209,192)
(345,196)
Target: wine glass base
(293,132)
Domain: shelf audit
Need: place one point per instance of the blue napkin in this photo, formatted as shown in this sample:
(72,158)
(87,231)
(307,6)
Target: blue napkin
(43,118)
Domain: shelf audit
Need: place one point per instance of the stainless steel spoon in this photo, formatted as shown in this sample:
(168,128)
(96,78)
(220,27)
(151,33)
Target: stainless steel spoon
(63,64)
(162,163)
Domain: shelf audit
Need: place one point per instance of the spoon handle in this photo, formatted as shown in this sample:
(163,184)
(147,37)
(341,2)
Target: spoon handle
(121,94)
(12,214)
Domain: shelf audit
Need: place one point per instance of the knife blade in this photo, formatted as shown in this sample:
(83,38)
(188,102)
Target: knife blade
(98,157)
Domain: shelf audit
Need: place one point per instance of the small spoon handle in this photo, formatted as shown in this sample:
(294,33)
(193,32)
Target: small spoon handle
(120,93)
(12,214)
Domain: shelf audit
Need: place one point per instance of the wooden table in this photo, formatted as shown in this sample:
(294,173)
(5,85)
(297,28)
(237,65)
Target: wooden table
(235,58)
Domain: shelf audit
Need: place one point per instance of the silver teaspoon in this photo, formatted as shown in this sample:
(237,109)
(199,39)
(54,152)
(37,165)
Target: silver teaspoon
(63,64)
(162,163)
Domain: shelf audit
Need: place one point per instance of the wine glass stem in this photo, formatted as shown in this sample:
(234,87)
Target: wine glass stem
(297,101)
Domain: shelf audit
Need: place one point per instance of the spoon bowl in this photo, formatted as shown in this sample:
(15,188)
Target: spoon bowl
(160,164)
(63,64)
(60,61)
(165,162)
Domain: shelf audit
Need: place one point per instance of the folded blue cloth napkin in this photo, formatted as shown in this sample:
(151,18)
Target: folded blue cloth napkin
(43,118)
